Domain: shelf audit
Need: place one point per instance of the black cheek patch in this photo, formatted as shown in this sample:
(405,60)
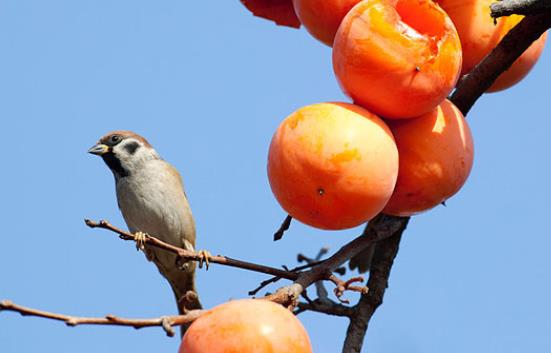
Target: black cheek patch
(132,147)
(114,164)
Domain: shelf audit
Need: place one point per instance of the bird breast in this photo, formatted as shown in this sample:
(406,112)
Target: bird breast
(152,200)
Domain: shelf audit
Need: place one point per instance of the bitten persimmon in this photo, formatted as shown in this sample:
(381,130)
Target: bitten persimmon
(332,165)
(397,58)
(322,17)
(479,35)
(246,326)
(436,157)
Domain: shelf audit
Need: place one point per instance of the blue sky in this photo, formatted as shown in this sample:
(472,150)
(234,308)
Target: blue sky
(207,84)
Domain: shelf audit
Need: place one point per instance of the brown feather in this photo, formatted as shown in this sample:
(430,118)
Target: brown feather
(125,133)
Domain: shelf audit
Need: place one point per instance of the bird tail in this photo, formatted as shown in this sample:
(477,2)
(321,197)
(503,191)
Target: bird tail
(181,277)
(185,293)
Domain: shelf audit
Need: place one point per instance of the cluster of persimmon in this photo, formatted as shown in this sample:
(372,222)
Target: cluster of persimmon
(400,148)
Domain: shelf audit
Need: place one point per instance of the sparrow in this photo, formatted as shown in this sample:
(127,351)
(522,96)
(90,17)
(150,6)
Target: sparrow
(152,200)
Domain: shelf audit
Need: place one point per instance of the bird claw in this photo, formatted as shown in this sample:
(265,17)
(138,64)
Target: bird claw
(139,238)
(204,256)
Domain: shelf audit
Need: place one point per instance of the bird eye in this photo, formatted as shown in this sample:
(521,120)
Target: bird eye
(115,139)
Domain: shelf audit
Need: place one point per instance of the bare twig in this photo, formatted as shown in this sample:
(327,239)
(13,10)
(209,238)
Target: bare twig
(264,284)
(331,308)
(269,281)
(195,256)
(519,7)
(343,286)
(165,322)
(321,272)
(283,228)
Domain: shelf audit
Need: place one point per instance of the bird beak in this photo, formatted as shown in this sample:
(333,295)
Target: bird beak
(99,149)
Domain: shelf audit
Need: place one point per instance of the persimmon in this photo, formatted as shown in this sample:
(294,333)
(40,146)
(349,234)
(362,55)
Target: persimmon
(332,165)
(479,35)
(436,157)
(397,58)
(246,326)
(322,17)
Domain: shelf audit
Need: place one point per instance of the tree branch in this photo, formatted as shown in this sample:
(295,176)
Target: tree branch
(166,322)
(321,291)
(381,227)
(383,258)
(519,7)
(331,308)
(269,281)
(322,304)
(473,85)
(323,271)
(195,256)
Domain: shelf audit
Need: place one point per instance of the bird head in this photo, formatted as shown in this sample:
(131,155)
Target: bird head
(124,152)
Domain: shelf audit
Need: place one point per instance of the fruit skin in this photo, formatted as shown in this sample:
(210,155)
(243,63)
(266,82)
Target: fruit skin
(332,165)
(397,58)
(322,17)
(436,156)
(521,67)
(246,326)
(479,35)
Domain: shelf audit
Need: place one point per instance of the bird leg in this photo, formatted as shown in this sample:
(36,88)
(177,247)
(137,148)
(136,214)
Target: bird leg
(189,301)
(139,238)
(204,256)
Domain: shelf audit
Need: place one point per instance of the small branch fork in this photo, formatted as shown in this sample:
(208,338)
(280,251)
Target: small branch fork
(322,303)
(379,228)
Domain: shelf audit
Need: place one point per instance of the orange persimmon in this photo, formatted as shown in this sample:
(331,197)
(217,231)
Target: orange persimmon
(322,17)
(246,326)
(397,58)
(332,165)
(479,35)
(436,156)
